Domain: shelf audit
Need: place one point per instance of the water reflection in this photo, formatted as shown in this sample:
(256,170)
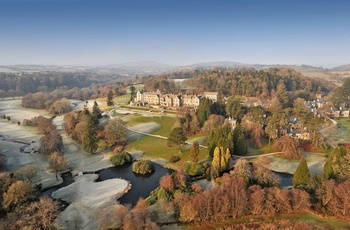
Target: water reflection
(142,185)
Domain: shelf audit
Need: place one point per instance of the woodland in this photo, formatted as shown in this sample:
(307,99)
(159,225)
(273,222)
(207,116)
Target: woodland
(243,189)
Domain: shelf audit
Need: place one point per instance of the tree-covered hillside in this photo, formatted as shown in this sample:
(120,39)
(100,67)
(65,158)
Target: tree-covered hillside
(18,84)
(241,81)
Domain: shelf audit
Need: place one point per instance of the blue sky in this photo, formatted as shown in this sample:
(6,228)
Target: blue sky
(102,32)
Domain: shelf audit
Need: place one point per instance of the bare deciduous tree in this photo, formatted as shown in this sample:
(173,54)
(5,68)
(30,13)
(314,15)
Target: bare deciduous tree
(57,162)
(115,132)
(27,173)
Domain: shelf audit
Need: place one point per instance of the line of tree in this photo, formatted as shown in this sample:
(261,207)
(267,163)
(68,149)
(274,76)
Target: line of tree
(55,101)
(51,143)
(19,84)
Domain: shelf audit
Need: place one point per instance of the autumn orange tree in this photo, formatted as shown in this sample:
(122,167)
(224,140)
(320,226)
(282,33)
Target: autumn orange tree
(17,195)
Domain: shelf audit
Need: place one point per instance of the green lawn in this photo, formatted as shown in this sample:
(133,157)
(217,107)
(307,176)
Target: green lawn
(135,108)
(123,99)
(252,150)
(315,163)
(343,131)
(166,123)
(153,147)
(308,218)
(201,138)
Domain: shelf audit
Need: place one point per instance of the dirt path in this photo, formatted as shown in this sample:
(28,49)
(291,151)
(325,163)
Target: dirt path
(147,134)
(325,133)
(261,155)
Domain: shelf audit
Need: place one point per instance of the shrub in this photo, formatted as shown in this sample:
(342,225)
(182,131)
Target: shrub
(174,159)
(152,198)
(143,167)
(121,158)
(101,145)
(118,149)
(193,169)
(163,194)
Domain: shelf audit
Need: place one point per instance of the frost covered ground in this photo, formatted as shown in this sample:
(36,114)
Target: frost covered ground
(86,199)
(315,162)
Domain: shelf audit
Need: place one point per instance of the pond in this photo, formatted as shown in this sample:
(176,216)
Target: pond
(142,185)
(67,180)
(285,179)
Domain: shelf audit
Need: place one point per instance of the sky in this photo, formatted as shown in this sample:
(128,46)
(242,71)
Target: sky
(176,32)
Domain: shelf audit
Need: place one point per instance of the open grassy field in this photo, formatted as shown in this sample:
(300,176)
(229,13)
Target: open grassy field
(343,130)
(138,87)
(308,218)
(315,163)
(165,122)
(335,76)
(156,148)
(314,73)
(201,138)
(122,100)
(341,73)
(252,150)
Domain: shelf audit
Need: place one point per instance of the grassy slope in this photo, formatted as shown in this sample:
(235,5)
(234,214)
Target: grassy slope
(153,147)
(166,123)
(315,163)
(122,100)
(311,219)
(343,132)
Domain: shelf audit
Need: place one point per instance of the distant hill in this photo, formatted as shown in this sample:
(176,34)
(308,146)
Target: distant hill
(342,67)
(130,68)
(146,67)
(150,67)
(209,65)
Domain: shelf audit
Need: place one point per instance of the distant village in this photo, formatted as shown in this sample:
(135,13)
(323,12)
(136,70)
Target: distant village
(316,105)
